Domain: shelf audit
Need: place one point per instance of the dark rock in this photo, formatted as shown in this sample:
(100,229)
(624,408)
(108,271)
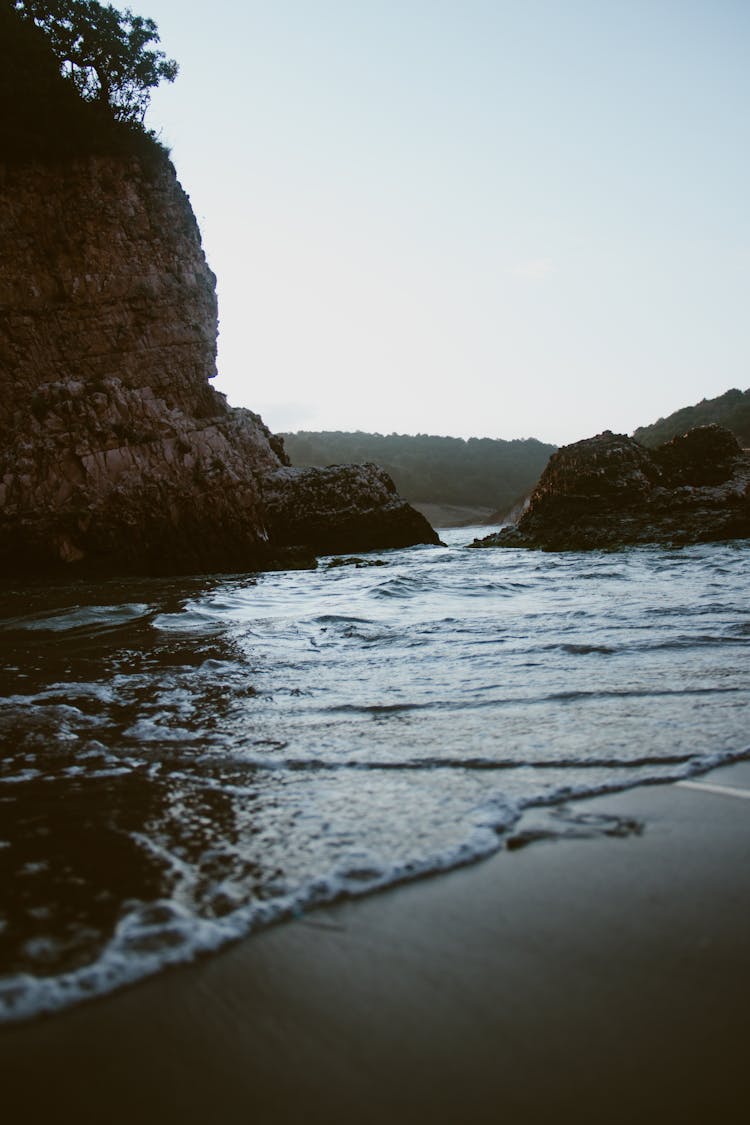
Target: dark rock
(340,508)
(116,454)
(355,561)
(706,455)
(609,491)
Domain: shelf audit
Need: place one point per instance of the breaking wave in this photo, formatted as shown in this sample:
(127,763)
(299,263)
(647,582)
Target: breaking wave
(187,761)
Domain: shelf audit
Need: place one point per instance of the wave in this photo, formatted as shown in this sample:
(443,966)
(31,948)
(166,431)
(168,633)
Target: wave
(164,933)
(242,736)
(589,649)
(573,696)
(79,619)
(401,586)
(452,762)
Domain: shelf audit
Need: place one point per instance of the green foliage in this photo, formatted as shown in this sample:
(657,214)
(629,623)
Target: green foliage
(108,55)
(42,114)
(480,472)
(732,410)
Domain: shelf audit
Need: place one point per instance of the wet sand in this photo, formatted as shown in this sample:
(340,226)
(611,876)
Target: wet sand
(597,979)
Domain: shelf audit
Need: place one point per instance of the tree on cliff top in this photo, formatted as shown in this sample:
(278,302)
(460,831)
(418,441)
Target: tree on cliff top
(108,55)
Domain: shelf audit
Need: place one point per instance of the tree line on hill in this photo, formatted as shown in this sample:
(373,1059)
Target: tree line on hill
(732,410)
(478,472)
(487,472)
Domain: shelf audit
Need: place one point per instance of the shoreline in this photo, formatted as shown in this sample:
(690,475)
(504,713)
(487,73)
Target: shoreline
(599,979)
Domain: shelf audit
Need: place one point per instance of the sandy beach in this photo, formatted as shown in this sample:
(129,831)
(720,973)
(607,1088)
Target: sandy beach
(600,978)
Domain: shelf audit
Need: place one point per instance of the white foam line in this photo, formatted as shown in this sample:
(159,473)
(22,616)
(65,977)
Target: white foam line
(706,787)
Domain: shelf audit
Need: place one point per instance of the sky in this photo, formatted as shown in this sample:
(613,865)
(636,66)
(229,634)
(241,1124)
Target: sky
(490,218)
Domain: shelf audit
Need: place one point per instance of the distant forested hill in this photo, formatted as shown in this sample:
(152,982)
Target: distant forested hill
(731,409)
(481,472)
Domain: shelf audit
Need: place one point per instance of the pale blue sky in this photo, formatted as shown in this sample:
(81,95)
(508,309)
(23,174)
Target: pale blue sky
(508,219)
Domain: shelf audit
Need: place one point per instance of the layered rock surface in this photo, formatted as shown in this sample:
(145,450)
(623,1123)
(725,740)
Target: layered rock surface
(116,454)
(608,491)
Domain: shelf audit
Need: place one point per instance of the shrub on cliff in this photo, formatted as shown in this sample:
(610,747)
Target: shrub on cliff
(108,55)
(42,112)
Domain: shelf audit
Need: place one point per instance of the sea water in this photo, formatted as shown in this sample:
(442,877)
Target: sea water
(185,761)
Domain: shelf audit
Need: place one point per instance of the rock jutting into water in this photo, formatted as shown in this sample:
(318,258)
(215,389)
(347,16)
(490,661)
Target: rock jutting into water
(116,454)
(338,509)
(609,491)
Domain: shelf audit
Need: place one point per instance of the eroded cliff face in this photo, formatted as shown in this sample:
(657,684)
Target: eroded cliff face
(608,491)
(116,454)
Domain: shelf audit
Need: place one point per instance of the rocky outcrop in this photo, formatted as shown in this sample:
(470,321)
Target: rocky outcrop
(116,454)
(340,508)
(608,491)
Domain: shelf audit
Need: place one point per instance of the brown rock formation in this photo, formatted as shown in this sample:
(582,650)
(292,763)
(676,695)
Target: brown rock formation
(340,508)
(116,454)
(608,491)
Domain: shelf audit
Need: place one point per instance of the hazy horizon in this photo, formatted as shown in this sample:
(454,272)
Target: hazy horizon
(481,219)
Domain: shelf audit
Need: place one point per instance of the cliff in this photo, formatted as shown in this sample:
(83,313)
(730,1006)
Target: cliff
(116,454)
(609,491)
